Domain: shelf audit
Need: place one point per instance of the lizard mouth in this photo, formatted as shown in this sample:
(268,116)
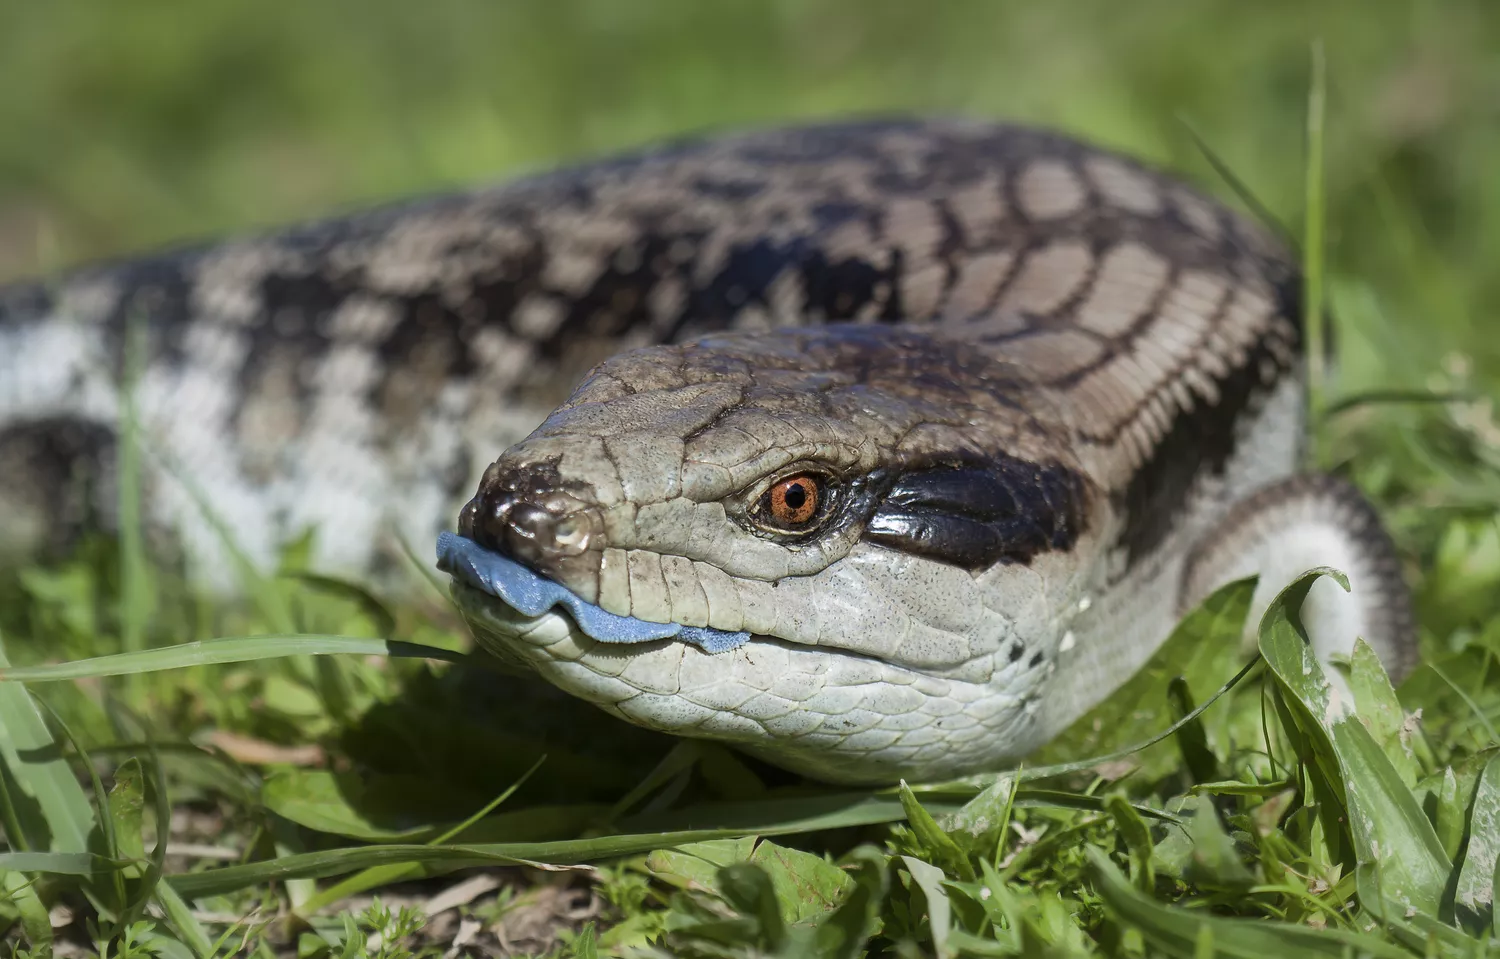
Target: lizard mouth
(526,592)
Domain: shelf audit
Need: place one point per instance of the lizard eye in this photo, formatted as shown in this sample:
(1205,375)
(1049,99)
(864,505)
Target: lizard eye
(794,500)
(794,504)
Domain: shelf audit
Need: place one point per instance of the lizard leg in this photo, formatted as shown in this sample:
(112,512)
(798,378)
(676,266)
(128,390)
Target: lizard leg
(1294,525)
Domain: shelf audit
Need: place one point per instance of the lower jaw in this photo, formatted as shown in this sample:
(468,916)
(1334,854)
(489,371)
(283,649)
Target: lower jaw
(506,633)
(543,645)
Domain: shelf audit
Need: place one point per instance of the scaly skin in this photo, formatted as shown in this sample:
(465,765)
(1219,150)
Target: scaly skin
(358,374)
(1063,372)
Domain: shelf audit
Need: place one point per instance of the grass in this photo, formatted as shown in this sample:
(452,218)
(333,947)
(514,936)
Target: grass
(1328,827)
(352,782)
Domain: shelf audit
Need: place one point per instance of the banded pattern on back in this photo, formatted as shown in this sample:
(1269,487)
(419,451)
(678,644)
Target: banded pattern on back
(923,429)
(360,371)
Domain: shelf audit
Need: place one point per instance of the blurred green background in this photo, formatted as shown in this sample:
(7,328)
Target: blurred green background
(130,124)
(127,125)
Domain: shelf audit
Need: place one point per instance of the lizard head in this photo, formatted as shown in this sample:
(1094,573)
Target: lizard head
(841,548)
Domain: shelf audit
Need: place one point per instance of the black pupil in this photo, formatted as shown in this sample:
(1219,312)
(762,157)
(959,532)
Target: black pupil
(796,496)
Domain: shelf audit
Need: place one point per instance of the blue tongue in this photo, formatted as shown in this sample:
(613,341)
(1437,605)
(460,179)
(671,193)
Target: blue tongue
(531,595)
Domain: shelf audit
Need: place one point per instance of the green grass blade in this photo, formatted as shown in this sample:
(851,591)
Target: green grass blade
(1474,899)
(329,802)
(126,804)
(1137,837)
(938,845)
(682,757)
(236,649)
(1492,735)
(1313,248)
(1375,699)
(747,888)
(1401,864)
(317,865)
(36,924)
(713,821)
(1178,932)
(489,807)
(121,815)
(135,591)
(163,947)
(1393,397)
(781,815)
(1192,738)
(586,946)
(843,934)
(1238,186)
(385,875)
(49,805)
(1058,799)
(730,820)
(178,913)
(58,863)
(985,820)
(929,879)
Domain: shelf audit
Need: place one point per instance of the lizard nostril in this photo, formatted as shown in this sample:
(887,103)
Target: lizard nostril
(571,534)
(527,531)
(532,524)
(539,533)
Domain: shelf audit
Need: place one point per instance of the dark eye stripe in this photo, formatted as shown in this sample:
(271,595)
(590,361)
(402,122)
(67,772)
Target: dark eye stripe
(976,516)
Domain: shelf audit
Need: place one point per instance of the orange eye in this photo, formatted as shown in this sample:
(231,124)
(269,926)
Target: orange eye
(794,500)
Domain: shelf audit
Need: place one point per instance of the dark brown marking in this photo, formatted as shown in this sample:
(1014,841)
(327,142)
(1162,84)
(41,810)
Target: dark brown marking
(1004,511)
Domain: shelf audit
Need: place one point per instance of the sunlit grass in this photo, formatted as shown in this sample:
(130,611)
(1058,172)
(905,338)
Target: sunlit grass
(253,791)
(1241,809)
